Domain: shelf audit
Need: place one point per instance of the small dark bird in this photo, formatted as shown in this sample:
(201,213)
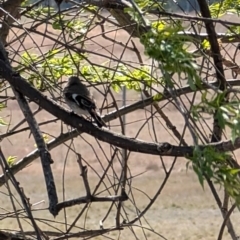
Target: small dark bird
(80,100)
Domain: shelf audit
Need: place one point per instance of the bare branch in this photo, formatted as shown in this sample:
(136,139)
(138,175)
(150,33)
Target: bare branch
(84,170)
(88,233)
(225,222)
(4,165)
(22,163)
(43,151)
(89,199)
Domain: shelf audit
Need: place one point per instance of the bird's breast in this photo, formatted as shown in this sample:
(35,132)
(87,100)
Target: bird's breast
(76,108)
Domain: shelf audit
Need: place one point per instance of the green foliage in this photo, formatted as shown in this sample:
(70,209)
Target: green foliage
(45,139)
(92,8)
(136,17)
(25,3)
(211,164)
(233,30)
(221,8)
(227,113)
(146,5)
(40,12)
(206,44)
(132,79)
(122,76)
(11,160)
(29,59)
(58,64)
(2,106)
(230,116)
(2,122)
(54,66)
(166,46)
(157,97)
(74,27)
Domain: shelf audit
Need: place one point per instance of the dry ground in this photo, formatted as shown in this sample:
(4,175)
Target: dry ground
(183,210)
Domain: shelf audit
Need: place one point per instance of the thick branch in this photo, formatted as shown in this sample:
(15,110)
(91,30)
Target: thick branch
(16,235)
(217,58)
(7,235)
(45,156)
(214,44)
(22,163)
(77,122)
(43,151)
(82,125)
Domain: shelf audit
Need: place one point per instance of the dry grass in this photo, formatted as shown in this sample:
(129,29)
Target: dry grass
(183,211)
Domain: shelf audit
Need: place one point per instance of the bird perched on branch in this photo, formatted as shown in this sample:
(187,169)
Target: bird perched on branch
(80,100)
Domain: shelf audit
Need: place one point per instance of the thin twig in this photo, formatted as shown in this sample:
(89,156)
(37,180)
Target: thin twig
(226,219)
(8,172)
(86,199)
(84,170)
(223,146)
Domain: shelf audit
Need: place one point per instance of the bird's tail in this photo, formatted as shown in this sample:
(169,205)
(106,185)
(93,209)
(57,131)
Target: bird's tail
(98,119)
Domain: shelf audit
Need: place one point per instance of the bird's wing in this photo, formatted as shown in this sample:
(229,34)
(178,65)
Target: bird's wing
(83,102)
(97,118)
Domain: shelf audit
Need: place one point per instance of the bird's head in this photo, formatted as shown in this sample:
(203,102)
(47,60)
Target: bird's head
(74,85)
(74,80)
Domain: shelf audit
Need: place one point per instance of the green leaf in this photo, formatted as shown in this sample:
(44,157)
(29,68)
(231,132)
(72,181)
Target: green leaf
(206,44)
(157,97)
(215,166)
(45,138)
(227,6)
(2,123)
(116,87)
(165,45)
(11,160)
